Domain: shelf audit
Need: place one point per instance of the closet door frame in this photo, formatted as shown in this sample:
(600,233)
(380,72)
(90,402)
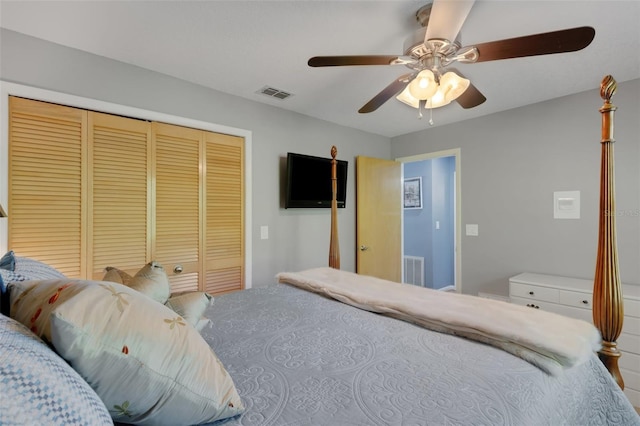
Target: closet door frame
(12,89)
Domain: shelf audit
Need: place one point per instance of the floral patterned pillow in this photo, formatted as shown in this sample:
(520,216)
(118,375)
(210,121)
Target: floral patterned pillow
(141,358)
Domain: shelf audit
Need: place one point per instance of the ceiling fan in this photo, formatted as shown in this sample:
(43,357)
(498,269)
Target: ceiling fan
(431,50)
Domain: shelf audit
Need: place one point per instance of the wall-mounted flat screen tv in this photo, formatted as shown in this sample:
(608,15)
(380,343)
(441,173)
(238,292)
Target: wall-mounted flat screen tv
(309,181)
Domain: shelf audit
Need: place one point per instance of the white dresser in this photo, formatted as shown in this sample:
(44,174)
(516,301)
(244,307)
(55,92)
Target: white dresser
(572,297)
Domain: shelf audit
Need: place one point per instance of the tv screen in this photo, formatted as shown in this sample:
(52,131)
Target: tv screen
(309,181)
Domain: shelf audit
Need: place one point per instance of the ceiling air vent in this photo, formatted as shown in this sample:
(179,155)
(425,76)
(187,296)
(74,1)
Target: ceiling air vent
(274,93)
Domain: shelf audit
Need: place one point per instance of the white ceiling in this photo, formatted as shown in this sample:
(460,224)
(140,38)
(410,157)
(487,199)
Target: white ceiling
(239,47)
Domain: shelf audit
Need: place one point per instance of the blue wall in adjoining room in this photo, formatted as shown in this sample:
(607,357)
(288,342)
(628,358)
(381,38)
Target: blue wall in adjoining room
(421,238)
(417,222)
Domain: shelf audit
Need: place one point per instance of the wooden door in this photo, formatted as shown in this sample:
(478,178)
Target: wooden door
(224,213)
(120,198)
(47,184)
(378,218)
(89,190)
(178,204)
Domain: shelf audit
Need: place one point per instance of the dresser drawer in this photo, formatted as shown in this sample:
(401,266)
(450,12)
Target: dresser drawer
(567,311)
(575,299)
(629,361)
(629,343)
(631,325)
(534,292)
(632,308)
(631,378)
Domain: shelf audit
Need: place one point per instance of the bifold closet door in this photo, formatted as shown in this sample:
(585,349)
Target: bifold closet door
(178,195)
(47,184)
(224,236)
(89,190)
(120,202)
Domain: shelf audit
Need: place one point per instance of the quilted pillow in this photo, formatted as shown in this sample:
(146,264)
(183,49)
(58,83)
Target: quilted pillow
(144,361)
(35,269)
(191,307)
(8,261)
(39,387)
(151,280)
(6,278)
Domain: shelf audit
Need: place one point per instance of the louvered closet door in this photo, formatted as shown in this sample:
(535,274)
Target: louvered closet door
(224,269)
(178,203)
(46,179)
(121,205)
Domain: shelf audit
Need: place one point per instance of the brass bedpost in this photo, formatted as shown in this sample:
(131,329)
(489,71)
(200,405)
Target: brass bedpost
(334,246)
(608,309)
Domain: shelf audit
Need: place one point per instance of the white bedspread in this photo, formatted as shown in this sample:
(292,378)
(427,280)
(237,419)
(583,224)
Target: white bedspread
(551,342)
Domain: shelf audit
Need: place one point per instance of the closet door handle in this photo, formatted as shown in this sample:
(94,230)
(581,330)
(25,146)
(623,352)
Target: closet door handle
(364,248)
(177,269)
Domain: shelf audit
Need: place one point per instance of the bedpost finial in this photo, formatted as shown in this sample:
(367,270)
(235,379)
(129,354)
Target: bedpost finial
(608,87)
(334,152)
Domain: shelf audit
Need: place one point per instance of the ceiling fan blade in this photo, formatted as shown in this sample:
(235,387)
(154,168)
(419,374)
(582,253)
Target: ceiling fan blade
(569,40)
(338,61)
(446,18)
(387,93)
(471,97)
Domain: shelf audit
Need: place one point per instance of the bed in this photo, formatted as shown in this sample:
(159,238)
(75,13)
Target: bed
(311,350)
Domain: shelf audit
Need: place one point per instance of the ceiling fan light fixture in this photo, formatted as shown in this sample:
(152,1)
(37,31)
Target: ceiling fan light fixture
(452,85)
(438,100)
(424,85)
(406,98)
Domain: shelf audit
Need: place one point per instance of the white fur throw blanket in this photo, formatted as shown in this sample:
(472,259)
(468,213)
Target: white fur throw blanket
(549,341)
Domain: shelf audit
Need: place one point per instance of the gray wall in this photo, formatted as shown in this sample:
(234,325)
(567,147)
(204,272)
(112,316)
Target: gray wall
(297,238)
(511,164)
(513,161)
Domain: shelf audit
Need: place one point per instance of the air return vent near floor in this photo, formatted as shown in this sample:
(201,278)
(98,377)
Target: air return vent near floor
(414,270)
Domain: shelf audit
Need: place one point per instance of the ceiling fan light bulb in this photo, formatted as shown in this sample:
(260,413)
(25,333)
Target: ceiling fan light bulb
(424,85)
(438,99)
(406,98)
(452,85)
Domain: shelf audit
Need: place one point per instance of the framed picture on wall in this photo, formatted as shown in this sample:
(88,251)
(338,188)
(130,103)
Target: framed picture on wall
(413,193)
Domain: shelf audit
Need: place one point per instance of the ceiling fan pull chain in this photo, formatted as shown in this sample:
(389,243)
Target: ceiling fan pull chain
(421,104)
(431,116)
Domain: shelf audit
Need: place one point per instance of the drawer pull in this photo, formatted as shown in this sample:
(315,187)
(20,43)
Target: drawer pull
(531,293)
(531,305)
(586,302)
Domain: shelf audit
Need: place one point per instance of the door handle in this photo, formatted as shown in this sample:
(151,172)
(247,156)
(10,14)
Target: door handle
(364,248)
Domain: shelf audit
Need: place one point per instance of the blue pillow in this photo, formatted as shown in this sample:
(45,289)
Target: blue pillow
(6,278)
(8,261)
(35,270)
(39,387)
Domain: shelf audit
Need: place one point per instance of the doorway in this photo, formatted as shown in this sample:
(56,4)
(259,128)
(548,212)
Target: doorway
(431,221)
